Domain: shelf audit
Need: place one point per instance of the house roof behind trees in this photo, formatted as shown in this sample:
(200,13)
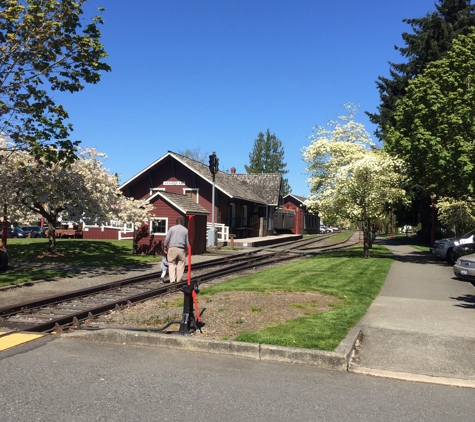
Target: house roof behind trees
(297,197)
(265,185)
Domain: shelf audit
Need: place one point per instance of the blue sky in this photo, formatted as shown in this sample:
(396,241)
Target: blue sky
(212,74)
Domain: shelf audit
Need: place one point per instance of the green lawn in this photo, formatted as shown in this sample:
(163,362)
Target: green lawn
(340,236)
(104,253)
(345,274)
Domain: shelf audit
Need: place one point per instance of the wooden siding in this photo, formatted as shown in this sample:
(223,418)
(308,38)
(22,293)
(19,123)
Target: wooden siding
(99,233)
(153,244)
(172,171)
(174,177)
(305,223)
(292,203)
(197,234)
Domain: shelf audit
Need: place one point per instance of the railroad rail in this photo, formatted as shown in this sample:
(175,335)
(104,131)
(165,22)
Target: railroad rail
(62,311)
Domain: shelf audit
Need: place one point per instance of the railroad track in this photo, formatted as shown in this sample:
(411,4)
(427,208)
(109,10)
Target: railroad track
(63,311)
(313,245)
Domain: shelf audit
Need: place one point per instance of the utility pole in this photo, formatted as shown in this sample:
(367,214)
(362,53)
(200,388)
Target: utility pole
(432,228)
(213,168)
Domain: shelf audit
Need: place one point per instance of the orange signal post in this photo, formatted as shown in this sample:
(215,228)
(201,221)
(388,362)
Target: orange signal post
(193,294)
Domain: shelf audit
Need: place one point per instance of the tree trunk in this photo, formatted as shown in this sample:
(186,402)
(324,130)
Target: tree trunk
(51,238)
(134,240)
(367,237)
(4,226)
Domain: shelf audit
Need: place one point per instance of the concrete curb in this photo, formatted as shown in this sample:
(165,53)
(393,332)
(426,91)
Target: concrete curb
(405,376)
(338,359)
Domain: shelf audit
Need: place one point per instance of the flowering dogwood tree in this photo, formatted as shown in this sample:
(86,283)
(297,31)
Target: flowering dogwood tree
(81,190)
(349,177)
(458,214)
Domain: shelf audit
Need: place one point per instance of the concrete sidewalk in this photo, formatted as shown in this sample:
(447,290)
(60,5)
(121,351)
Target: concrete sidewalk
(421,326)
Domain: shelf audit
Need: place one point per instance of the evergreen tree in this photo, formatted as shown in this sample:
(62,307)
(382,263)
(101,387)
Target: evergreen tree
(431,39)
(267,157)
(435,123)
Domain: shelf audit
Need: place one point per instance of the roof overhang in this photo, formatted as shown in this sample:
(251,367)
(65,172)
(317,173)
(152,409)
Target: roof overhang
(187,211)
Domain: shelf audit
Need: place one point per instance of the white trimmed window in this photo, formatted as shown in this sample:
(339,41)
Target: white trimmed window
(244,215)
(192,193)
(232,214)
(158,226)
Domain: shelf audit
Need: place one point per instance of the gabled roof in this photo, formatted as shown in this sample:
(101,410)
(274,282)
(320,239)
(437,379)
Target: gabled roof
(265,185)
(259,188)
(298,198)
(182,202)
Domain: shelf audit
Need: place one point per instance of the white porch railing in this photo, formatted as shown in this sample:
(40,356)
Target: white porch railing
(126,234)
(124,231)
(223,231)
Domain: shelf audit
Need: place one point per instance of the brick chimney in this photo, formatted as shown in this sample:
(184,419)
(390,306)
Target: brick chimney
(233,170)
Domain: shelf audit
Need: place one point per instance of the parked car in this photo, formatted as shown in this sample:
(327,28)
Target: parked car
(33,231)
(15,232)
(464,267)
(462,250)
(444,248)
(325,229)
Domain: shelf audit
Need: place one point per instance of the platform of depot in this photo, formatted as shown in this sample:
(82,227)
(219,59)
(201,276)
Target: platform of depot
(256,242)
(12,339)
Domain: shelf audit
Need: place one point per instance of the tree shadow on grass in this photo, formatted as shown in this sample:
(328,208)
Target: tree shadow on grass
(377,252)
(75,251)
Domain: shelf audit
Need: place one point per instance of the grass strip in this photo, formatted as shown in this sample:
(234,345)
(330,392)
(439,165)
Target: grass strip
(71,252)
(345,274)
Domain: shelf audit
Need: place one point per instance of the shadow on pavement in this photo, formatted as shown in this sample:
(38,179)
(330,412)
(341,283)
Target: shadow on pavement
(468,301)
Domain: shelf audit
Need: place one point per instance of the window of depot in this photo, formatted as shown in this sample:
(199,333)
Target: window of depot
(192,193)
(159,226)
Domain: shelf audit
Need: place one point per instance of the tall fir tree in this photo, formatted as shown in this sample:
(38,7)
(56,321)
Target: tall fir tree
(431,40)
(267,157)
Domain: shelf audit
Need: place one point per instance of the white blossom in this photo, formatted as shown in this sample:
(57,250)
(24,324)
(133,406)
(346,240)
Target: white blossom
(457,214)
(81,191)
(349,177)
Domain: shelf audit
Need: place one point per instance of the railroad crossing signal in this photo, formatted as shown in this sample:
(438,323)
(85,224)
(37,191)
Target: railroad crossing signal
(213,163)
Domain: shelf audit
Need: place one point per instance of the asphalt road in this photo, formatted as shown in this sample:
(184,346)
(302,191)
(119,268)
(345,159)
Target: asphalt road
(72,380)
